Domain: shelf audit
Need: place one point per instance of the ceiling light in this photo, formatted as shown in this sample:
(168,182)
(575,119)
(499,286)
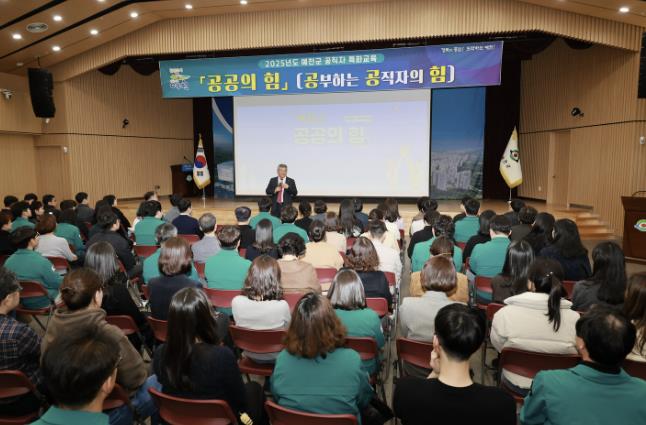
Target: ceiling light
(624,9)
(57,18)
(133,15)
(56,48)
(94,31)
(19,64)
(16,36)
(243,2)
(188,6)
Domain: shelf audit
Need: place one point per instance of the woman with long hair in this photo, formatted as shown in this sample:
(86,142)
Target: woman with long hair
(392,213)
(332,234)
(348,223)
(483,235)
(538,320)
(193,364)
(541,234)
(635,310)
(513,279)
(364,260)
(607,285)
(568,250)
(264,243)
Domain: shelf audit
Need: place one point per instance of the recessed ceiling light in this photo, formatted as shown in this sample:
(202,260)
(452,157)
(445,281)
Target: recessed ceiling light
(188,6)
(56,48)
(57,18)
(624,9)
(243,2)
(94,31)
(19,64)
(133,15)
(16,36)
(101,1)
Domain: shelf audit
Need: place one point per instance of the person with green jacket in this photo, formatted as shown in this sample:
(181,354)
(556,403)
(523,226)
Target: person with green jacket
(443,226)
(288,217)
(470,224)
(68,230)
(487,259)
(264,205)
(145,229)
(21,215)
(151,263)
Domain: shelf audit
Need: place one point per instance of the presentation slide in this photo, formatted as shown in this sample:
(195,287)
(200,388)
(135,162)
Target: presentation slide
(338,144)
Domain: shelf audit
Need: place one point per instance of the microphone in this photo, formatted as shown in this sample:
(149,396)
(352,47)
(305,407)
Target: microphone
(187,160)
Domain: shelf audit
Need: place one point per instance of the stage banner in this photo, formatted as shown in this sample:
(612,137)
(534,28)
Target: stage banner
(223,181)
(439,66)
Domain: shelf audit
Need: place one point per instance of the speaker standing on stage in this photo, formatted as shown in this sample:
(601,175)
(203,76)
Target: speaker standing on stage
(282,190)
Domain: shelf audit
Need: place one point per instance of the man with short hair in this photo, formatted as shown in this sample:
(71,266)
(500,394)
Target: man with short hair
(425,234)
(247,234)
(209,245)
(9,200)
(151,264)
(30,198)
(389,260)
(598,390)
(515,205)
(151,196)
(488,258)
(305,209)
(469,225)
(288,217)
(68,204)
(84,213)
(264,207)
(320,209)
(227,269)
(442,226)
(282,190)
(526,216)
(50,203)
(173,212)
(21,214)
(449,395)
(110,225)
(80,369)
(145,229)
(185,224)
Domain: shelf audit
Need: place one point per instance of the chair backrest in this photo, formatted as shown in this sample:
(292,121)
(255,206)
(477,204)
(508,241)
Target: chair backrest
(125,323)
(635,369)
(483,284)
(145,250)
(528,364)
(200,268)
(221,297)
(159,327)
(60,264)
(181,411)
(15,383)
(365,346)
(379,305)
(569,288)
(282,416)
(32,289)
(461,245)
(349,242)
(391,278)
(292,298)
(145,291)
(269,341)
(242,252)
(492,308)
(3,258)
(325,274)
(117,398)
(191,239)
(417,353)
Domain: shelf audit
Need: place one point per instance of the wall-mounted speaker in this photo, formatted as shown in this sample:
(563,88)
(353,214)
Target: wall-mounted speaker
(41,90)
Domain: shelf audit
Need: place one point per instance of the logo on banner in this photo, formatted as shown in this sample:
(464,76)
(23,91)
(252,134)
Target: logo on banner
(641,225)
(178,81)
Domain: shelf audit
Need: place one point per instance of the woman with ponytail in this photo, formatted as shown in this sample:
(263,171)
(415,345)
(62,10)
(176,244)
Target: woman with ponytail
(538,320)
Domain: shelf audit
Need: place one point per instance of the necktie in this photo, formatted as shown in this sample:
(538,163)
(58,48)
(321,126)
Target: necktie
(280,194)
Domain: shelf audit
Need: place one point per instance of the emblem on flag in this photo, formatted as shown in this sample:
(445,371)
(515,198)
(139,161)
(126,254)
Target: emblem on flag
(510,163)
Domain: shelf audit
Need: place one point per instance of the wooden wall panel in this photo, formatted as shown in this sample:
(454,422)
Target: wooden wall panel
(18,171)
(16,114)
(381,20)
(534,154)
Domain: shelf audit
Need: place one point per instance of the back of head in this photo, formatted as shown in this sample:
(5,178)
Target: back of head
(47,199)
(442,246)
(79,288)
(431,216)
(102,258)
(80,197)
(17,208)
(363,255)
(9,200)
(527,215)
(500,225)
(320,207)
(30,197)
(376,214)
(472,206)
(291,244)
(242,213)
(77,363)
(174,199)
(377,229)
(164,232)
(608,335)
(484,220)
(516,204)
(21,236)
(316,232)
(207,222)
(264,234)
(422,204)
(149,195)
(609,270)
(5,218)
(444,226)
(35,206)
(346,291)
(288,214)
(460,331)
(175,257)
(519,258)
(305,208)
(68,216)
(110,199)
(567,239)
(151,208)
(47,224)
(547,274)
(183,205)
(438,274)
(263,280)
(331,222)
(229,237)
(67,204)
(347,219)
(8,283)
(264,204)
(544,224)
(315,329)
(392,209)
(358,205)
(635,306)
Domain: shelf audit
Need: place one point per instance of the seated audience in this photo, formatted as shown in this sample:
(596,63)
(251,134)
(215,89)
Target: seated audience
(305,209)
(449,395)
(459,216)
(538,320)
(443,226)
(109,224)
(102,207)
(363,259)
(81,369)
(359,214)
(470,224)
(264,206)
(568,250)
(21,215)
(112,201)
(513,278)
(6,247)
(392,215)
(151,263)
(597,391)
(145,229)
(513,216)
(139,215)
(425,233)
(296,274)
(37,212)
(541,234)
(82,293)
(28,264)
(151,196)
(9,200)
(526,218)
(264,241)
(288,216)
(607,285)
(418,223)
(209,245)
(389,259)
(185,224)
(261,305)
(347,296)
(67,204)
(117,300)
(50,203)
(318,252)
(174,268)
(50,245)
(315,373)
(173,212)
(349,225)
(484,220)
(67,229)
(320,210)
(442,246)
(247,235)
(332,235)
(84,212)
(194,364)
(488,258)
(389,237)
(635,311)
(19,345)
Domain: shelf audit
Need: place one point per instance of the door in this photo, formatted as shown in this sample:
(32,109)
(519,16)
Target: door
(558,168)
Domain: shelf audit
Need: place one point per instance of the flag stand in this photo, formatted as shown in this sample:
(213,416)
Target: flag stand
(203,198)
(509,195)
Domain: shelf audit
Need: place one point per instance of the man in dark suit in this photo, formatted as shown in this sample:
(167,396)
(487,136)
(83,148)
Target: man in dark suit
(282,190)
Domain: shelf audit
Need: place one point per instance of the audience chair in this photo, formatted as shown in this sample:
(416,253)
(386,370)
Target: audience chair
(392,279)
(200,268)
(528,364)
(3,258)
(14,383)
(145,251)
(283,416)
(33,289)
(379,305)
(461,245)
(117,398)
(491,309)
(325,274)
(159,327)
(256,341)
(221,298)
(60,264)
(242,252)
(292,298)
(416,353)
(191,239)
(568,285)
(368,350)
(482,285)
(349,242)
(634,368)
(182,411)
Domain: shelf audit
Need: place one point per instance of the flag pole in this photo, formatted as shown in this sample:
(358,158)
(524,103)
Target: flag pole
(203,197)
(510,194)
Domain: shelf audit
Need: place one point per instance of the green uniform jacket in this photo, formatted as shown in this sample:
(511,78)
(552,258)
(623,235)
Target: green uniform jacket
(30,265)
(71,234)
(363,323)
(145,230)
(286,228)
(275,221)
(488,258)
(422,252)
(151,268)
(56,416)
(21,222)
(226,270)
(467,227)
